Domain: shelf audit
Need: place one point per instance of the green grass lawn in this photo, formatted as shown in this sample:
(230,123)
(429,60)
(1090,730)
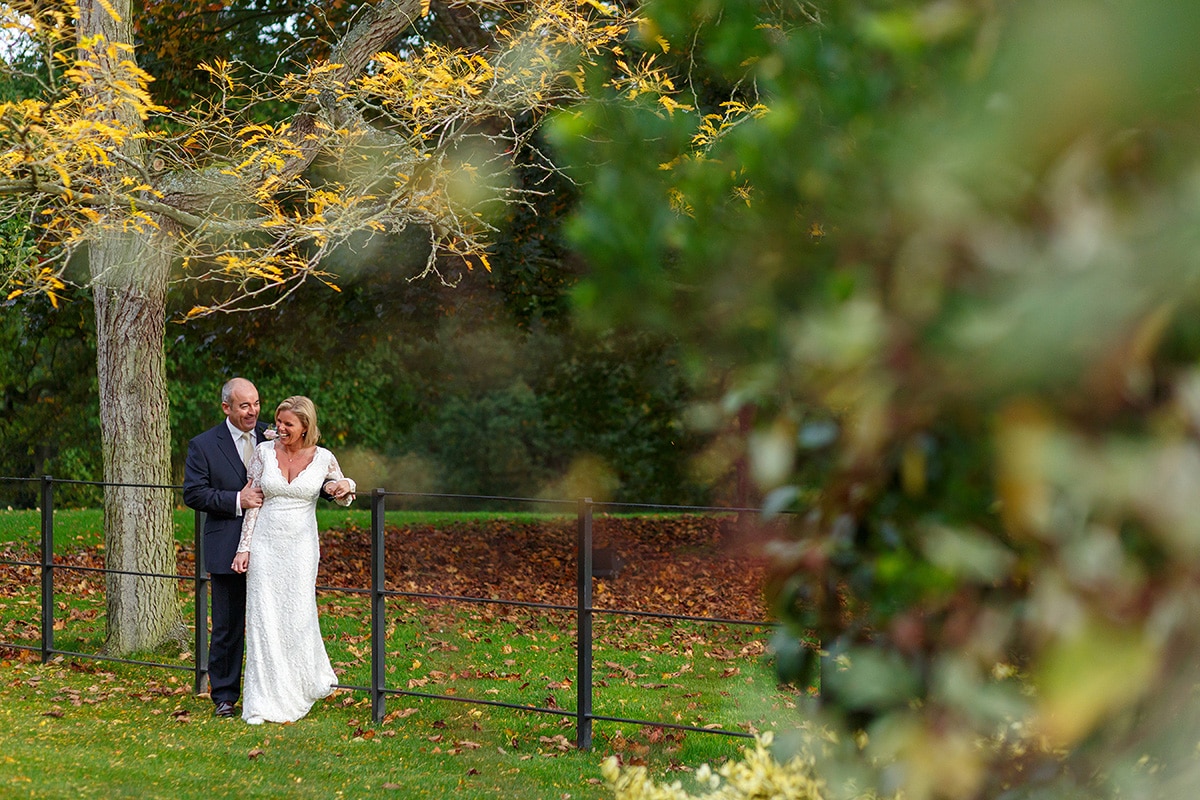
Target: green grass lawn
(86,728)
(80,730)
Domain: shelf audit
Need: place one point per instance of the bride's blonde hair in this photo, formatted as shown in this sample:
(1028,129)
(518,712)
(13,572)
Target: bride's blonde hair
(303,408)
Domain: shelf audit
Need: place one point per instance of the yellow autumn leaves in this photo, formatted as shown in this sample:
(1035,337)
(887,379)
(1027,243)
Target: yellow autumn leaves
(421,138)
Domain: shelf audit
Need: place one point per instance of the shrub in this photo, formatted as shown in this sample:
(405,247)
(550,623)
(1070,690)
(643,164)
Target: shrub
(759,774)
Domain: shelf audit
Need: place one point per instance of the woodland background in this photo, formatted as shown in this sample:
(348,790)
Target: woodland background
(479,389)
(473,382)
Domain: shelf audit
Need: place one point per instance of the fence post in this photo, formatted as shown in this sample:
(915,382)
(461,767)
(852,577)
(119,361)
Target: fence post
(47,567)
(378,623)
(201,612)
(583,672)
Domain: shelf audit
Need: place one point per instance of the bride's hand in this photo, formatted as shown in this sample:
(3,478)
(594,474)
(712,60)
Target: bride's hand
(340,490)
(241,562)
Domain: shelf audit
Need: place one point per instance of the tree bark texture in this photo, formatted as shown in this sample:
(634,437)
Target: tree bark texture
(130,304)
(130,272)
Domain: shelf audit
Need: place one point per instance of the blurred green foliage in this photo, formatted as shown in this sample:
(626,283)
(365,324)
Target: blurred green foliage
(419,388)
(48,420)
(49,423)
(944,254)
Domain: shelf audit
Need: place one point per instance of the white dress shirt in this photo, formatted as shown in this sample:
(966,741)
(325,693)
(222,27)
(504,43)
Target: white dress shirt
(237,445)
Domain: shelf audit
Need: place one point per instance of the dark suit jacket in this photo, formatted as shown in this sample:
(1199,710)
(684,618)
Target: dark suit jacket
(213,475)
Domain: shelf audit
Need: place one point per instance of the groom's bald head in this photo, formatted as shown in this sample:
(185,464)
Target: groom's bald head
(239,401)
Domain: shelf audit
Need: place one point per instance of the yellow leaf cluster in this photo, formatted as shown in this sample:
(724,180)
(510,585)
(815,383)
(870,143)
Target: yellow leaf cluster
(26,20)
(110,81)
(249,265)
(64,146)
(712,129)
(428,86)
(318,78)
(37,280)
(647,78)
(92,153)
(220,72)
(714,126)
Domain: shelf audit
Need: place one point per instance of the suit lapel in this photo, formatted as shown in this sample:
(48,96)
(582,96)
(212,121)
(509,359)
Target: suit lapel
(225,445)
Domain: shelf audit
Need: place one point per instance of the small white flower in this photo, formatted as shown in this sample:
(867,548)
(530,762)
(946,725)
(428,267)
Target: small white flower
(270,434)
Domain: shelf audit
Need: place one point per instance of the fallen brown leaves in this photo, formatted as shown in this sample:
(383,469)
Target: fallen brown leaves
(633,749)
(688,564)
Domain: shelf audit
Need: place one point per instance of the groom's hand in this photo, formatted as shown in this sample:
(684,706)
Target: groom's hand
(250,496)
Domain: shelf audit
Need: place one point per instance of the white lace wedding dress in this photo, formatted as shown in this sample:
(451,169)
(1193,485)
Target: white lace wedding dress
(287,668)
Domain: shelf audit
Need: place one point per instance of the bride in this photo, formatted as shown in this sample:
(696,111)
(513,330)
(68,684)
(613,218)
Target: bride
(287,668)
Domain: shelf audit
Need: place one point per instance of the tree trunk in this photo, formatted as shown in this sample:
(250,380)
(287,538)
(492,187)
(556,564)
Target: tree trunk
(130,273)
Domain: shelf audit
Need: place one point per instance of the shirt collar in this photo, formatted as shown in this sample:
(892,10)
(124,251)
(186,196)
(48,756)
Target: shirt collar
(235,432)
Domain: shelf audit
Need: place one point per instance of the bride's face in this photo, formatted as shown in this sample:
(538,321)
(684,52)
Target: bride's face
(291,431)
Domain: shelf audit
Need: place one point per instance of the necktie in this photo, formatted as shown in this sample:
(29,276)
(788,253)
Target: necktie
(247,448)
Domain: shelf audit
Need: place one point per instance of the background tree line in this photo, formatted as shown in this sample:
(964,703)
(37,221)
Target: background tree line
(486,387)
(479,389)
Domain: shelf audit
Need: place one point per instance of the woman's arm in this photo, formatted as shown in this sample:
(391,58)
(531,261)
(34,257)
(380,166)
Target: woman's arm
(241,561)
(337,485)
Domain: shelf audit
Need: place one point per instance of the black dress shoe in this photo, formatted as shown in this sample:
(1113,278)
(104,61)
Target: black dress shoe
(224,709)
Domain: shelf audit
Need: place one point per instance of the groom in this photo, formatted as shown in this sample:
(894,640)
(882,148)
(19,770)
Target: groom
(215,482)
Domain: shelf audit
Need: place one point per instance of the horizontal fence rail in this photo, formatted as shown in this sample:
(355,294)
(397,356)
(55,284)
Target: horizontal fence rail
(378,690)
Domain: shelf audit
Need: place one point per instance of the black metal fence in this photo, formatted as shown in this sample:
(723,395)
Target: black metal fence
(583,609)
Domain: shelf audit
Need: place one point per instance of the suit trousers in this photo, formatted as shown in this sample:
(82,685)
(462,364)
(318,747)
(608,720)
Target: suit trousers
(227,645)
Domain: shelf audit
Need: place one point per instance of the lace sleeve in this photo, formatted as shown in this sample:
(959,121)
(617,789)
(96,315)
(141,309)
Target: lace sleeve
(250,515)
(334,473)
